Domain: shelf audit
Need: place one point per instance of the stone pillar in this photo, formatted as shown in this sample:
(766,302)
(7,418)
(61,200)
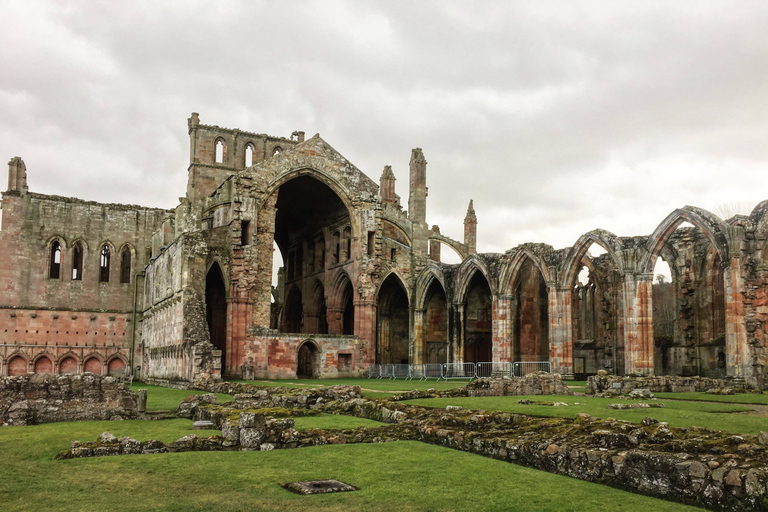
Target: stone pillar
(387,185)
(141,394)
(638,324)
(434,245)
(365,329)
(17,176)
(503,327)
(737,356)
(417,352)
(561,331)
(458,331)
(470,229)
(417,198)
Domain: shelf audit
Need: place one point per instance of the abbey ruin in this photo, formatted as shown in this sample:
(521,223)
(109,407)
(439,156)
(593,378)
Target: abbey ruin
(185,295)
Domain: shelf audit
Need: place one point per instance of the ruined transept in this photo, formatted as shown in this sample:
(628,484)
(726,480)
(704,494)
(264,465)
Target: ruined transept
(187,294)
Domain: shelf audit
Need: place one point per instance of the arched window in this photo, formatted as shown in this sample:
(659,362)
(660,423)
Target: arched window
(77,262)
(249,155)
(219,152)
(104,264)
(277,151)
(125,266)
(55,267)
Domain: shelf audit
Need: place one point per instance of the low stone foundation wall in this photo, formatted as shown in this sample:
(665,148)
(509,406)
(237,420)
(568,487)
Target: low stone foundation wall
(41,398)
(539,383)
(613,384)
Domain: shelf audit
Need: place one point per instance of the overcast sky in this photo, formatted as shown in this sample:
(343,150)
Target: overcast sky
(555,117)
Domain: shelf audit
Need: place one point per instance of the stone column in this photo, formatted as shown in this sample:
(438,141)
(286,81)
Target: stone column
(417,345)
(458,330)
(638,323)
(365,329)
(737,356)
(561,331)
(503,327)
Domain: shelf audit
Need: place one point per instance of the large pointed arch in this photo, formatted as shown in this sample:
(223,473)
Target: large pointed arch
(710,224)
(393,321)
(575,256)
(428,275)
(465,274)
(511,271)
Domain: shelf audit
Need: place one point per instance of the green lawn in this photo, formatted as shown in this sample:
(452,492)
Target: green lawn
(391,476)
(168,399)
(741,398)
(719,416)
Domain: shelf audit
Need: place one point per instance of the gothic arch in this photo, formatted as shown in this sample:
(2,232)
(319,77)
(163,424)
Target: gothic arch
(511,272)
(395,274)
(710,224)
(430,274)
(576,254)
(336,292)
(466,272)
(62,365)
(326,179)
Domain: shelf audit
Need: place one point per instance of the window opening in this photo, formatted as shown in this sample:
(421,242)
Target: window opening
(55,260)
(277,151)
(249,155)
(392,253)
(245,232)
(104,264)
(125,266)
(219,151)
(77,262)
(371,235)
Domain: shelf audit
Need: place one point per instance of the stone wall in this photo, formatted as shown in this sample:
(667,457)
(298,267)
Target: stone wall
(40,398)
(669,384)
(701,467)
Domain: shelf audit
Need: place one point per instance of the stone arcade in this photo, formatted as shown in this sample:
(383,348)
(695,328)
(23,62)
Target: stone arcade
(185,295)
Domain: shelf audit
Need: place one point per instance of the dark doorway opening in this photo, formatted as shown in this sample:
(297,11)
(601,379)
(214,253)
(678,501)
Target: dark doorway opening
(216,310)
(308,361)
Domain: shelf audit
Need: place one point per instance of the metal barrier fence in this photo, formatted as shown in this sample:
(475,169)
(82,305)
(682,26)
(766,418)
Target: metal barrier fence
(426,371)
(485,370)
(448,371)
(459,371)
(523,368)
(401,371)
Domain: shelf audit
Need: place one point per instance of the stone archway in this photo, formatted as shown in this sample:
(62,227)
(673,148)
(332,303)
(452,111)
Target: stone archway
(393,332)
(216,310)
(478,318)
(308,361)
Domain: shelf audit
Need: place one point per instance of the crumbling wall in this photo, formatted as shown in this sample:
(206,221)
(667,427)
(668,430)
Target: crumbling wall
(34,399)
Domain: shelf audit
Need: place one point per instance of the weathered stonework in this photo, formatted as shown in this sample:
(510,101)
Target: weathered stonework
(111,288)
(701,467)
(41,398)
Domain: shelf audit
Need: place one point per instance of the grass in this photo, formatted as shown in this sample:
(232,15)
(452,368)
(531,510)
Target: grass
(718,416)
(168,399)
(745,398)
(392,476)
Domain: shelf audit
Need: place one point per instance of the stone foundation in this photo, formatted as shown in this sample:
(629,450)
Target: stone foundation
(616,385)
(41,398)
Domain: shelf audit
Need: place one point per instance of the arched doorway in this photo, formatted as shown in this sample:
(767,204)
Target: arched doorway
(44,365)
(435,325)
(17,366)
(532,325)
(393,326)
(116,367)
(216,310)
(308,361)
(68,365)
(478,321)
(93,365)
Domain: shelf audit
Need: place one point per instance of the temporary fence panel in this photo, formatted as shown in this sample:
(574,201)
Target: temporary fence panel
(458,371)
(385,371)
(523,368)
(401,371)
(485,370)
(373,371)
(426,371)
